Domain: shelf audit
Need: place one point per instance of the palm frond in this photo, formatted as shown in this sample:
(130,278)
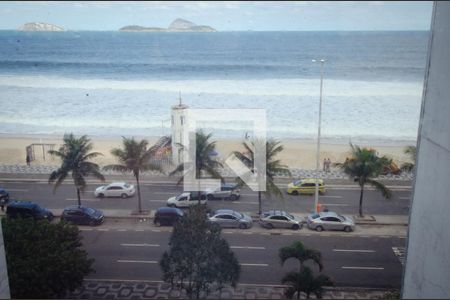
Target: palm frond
(380,187)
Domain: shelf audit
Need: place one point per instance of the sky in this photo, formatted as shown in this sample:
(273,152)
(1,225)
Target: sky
(222,15)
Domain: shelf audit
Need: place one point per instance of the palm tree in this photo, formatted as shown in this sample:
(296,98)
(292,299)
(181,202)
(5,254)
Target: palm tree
(298,251)
(75,156)
(411,152)
(305,281)
(273,167)
(364,165)
(203,159)
(135,158)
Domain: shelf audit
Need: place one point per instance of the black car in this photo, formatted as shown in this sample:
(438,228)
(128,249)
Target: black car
(82,215)
(167,216)
(28,209)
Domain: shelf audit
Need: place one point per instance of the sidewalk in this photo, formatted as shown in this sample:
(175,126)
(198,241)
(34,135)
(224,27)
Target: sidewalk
(296,173)
(96,289)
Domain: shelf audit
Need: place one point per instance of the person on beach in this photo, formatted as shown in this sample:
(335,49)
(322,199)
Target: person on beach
(28,160)
(328,164)
(324,164)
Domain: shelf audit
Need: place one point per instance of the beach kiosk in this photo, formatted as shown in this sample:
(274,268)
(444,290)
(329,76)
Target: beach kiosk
(178,120)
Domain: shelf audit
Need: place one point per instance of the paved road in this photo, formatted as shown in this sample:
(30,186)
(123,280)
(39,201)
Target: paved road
(342,198)
(124,254)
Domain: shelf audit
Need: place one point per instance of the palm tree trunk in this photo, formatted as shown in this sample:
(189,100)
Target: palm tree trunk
(361,201)
(79,198)
(139,193)
(259,203)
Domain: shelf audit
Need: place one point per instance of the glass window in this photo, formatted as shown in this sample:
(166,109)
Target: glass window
(315,216)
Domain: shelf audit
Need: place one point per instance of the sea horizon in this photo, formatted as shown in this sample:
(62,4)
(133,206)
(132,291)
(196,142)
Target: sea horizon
(105,83)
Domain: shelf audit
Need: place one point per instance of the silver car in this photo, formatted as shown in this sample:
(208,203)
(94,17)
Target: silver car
(227,218)
(280,219)
(225,191)
(115,189)
(330,221)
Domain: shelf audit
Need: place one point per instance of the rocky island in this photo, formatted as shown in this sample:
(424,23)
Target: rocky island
(179,25)
(37,26)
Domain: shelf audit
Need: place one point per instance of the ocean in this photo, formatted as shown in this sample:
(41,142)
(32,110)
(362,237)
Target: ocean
(124,83)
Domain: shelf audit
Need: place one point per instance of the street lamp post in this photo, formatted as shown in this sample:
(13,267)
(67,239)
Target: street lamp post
(316,198)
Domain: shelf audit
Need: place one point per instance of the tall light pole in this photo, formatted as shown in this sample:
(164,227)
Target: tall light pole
(316,198)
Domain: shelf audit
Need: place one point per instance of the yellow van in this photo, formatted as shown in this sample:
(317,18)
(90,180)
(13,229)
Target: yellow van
(305,186)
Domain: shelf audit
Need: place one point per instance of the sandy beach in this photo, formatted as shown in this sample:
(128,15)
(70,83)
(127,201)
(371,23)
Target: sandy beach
(298,154)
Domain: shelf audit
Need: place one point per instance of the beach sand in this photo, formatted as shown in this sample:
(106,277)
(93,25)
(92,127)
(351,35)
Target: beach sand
(297,154)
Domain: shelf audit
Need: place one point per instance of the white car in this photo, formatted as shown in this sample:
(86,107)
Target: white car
(115,189)
(187,199)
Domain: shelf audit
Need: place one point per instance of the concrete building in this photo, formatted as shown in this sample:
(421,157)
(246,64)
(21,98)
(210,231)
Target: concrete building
(427,266)
(178,119)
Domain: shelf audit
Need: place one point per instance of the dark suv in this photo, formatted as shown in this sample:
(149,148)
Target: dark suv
(27,209)
(82,215)
(167,216)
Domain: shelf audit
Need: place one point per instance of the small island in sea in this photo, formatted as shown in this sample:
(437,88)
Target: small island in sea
(179,25)
(38,26)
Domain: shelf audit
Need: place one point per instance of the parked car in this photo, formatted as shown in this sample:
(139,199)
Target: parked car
(115,189)
(305,186)
(4,195)
(280,219)
(28,209)
(187,199)
(230,218)
(167,216)
(82,215)
(227,191)
(330,221)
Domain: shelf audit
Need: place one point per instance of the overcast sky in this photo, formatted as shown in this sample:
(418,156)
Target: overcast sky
(224,15)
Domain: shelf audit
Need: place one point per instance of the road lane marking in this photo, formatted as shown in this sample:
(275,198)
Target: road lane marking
(248,247)
(139,230)
(240,202)
(91,200)
(139,245)
(330,197)
(121,230)
(363,268)
(102,229)
(350,250)
(137,261)
(254,265)
(335,204)
(86,229)
(165,193)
